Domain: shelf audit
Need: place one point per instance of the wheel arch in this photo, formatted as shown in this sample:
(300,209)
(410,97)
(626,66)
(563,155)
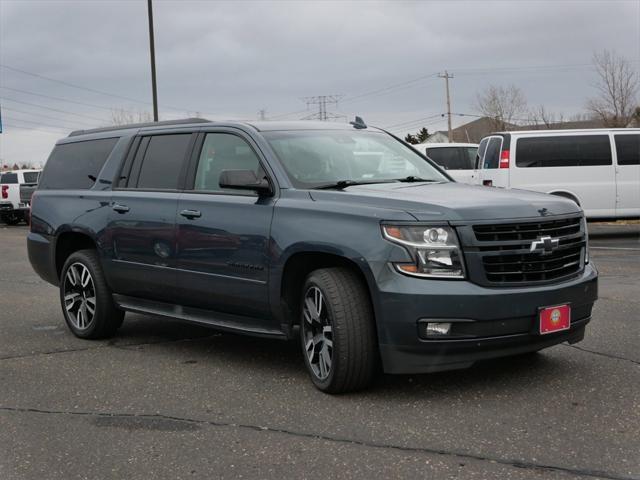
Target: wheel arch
(299,264)
(69,241)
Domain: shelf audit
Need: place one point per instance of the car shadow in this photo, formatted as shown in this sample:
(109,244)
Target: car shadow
(276,358)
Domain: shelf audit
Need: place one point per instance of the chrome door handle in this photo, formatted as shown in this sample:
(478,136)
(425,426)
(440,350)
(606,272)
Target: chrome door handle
(120,208)
(191,214)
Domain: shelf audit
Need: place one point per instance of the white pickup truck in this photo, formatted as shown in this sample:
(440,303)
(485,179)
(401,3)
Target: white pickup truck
(16,188)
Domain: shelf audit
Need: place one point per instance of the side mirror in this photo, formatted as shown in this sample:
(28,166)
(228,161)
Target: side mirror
(245,180)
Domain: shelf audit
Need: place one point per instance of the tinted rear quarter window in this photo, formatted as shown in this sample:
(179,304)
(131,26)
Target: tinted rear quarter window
(628,149)
(9,178)
(163,162)
(31,177)
(563,151)
(451,158)
(71,165)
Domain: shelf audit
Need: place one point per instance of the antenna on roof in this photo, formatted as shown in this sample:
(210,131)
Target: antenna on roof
(359,123)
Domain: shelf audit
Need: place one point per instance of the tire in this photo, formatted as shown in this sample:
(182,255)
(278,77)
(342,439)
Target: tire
(340,333)
(79,293)
(11,219)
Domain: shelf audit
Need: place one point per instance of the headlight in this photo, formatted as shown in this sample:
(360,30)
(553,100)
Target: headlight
(434,249)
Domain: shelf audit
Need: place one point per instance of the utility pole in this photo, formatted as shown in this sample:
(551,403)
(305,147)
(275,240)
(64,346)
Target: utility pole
(446,77)
(322,101)
(152,50)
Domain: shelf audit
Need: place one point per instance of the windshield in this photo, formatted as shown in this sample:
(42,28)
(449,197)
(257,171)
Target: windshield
(313,158)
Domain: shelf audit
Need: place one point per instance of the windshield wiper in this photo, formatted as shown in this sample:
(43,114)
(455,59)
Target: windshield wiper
(340,184)
(412,179)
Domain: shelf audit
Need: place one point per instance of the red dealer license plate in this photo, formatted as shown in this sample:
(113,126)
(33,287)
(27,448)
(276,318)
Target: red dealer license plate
(555,319)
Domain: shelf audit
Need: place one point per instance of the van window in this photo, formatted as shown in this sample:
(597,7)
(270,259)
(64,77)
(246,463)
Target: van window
(31,177)
(563,151)
(223,151)
(9,178)
(453,158)
(469,154)
(163,162)
(492,154)
(70,165)
(628,149)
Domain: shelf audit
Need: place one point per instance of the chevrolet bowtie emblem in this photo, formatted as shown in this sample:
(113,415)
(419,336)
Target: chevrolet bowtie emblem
(544,245)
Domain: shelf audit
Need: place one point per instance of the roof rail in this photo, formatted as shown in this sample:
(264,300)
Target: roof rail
(75,133)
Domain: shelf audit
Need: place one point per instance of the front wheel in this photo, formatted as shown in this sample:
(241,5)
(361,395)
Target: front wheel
(86,298)
(337,330)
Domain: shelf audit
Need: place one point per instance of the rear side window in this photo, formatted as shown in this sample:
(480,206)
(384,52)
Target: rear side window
(71,165)
(564,151)
(451,158)
(9,178)
(31,177)
(163,161)
(492,153)
(628,149)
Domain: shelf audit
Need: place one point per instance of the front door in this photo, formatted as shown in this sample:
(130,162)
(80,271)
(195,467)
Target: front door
(141,230)
(224,234)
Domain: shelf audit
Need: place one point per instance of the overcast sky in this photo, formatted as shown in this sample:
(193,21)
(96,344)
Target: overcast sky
(230,59)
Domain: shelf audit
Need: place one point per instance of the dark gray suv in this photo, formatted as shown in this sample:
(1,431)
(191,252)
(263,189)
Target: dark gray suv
(338,234)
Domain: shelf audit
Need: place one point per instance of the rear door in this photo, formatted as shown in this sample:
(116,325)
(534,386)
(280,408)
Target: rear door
(223,234)
(627,146)
(490,173)
(142,222)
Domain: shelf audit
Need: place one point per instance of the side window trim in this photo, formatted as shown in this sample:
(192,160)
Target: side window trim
(123,172)
(190,177)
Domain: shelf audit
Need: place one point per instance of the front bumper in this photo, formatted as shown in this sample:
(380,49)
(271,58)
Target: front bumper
(497,321)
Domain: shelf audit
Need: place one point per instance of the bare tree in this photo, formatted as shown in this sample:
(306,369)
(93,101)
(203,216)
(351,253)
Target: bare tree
(502,104)
(120,116)
(617,88)
(543,118)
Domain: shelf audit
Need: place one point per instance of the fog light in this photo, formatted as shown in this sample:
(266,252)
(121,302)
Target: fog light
(438,329)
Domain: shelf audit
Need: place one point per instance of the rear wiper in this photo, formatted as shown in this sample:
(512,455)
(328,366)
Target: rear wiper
(340,184)
(412,179)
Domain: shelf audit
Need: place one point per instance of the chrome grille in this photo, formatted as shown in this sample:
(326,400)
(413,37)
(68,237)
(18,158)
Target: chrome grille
(506,256)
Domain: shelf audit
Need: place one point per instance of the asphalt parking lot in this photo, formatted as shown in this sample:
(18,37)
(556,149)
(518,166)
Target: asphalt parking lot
(168,400)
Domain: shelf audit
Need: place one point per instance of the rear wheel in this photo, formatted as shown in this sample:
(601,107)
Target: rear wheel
(86,299)
(337,331)
(10,218)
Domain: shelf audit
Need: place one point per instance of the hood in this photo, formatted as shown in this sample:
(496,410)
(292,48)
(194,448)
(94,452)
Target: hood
(451,201)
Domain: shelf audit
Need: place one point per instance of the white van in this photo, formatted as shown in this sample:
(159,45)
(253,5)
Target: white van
(597,168)
(458,159)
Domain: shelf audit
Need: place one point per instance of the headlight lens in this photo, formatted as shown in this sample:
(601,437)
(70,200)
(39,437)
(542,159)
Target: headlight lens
(434,249)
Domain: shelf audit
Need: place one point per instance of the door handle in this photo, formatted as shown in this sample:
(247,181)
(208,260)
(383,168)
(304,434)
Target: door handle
(191,214)
(120,208)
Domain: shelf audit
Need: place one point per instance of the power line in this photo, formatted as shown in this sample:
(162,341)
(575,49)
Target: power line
(322,101)
(88,89)
(389,87)
(53,109)
(60,99)
(39,115)
(416,120)
(31,128)
(39,124)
